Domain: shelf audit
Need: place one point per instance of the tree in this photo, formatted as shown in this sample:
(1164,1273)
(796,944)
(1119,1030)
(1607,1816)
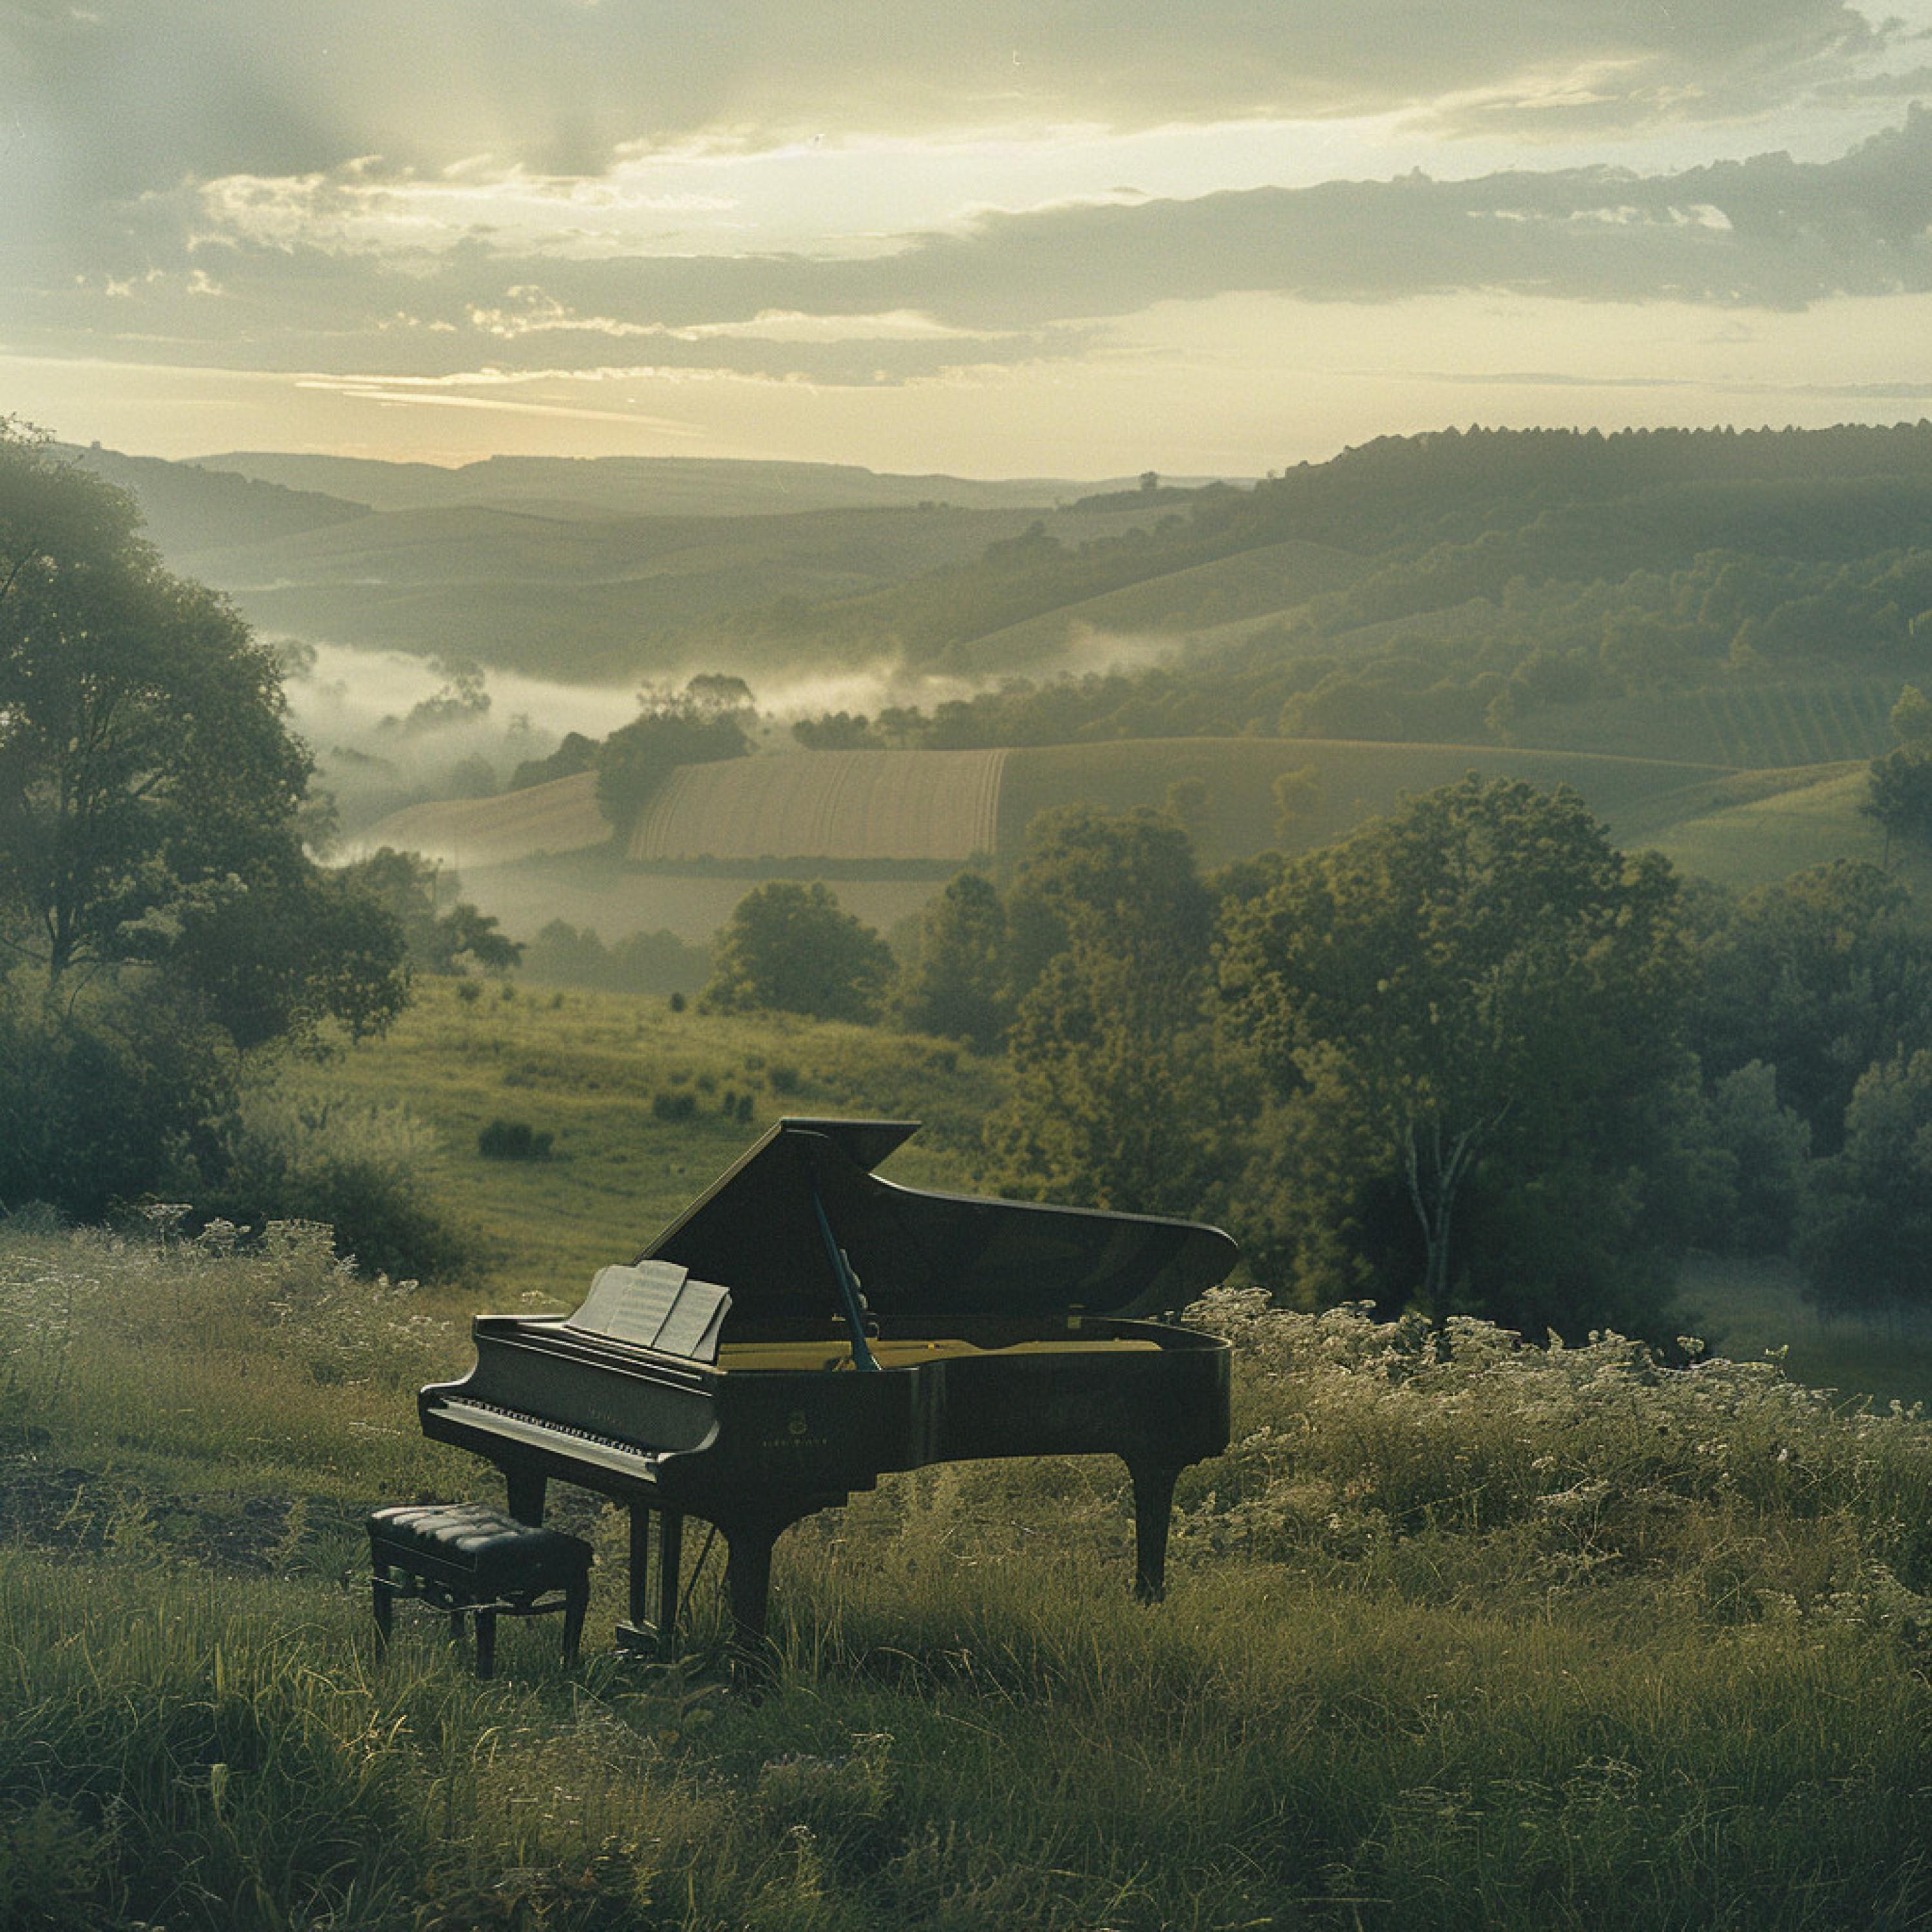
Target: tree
(1819,975)
(1865,1233)
(1900,782)
(956,983)
(1113,1100)
(1123,885)
(706,720)
(1487,999)
(1760,1147)
(459,940)
(150,793)
(789,947)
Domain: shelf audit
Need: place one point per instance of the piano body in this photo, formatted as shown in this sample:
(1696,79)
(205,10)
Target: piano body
(804,1327)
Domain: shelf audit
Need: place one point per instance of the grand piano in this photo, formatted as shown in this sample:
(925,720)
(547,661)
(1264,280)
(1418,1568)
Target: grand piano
(804,1327)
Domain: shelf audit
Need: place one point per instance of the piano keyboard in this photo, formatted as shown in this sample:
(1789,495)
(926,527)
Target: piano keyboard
(582,1444)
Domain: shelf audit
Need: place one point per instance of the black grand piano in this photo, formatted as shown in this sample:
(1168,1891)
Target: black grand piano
(804,1326)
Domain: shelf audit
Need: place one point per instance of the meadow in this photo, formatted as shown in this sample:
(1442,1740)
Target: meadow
(1487,1637)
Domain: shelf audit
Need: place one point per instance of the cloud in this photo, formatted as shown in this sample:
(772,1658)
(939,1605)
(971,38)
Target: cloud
(127,96)
(314,274)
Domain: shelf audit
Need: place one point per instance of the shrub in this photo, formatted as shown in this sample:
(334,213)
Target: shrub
(783,1079)
(359,1168)
(674,1106)
(513,1140)
(106,1099)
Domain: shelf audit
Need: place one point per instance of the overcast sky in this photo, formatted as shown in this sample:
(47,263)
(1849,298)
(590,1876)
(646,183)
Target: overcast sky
(1066,237)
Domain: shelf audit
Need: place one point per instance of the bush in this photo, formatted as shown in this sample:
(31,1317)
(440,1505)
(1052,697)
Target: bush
(514,1140)
(359,1168)
(674,1106)
(107,1099)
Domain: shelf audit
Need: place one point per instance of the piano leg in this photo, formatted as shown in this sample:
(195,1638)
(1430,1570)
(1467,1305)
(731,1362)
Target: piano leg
(748,1580)
(526,1494)
(1153,1503)
(643,1632)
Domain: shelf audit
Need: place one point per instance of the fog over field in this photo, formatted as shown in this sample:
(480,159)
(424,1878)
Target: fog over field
(382,739)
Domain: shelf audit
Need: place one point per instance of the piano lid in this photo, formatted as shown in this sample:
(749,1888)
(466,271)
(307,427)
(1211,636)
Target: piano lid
(919,1253)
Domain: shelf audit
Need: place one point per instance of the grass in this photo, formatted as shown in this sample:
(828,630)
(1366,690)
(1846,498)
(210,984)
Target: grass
(1356,781)
(585,1068)
(1509,1640)
(1751,1308)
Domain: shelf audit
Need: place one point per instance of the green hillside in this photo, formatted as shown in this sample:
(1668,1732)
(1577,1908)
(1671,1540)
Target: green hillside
(1261,582)
(1756,830)
(1352,782)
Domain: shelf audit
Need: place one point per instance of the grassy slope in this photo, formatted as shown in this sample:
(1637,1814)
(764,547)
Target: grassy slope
(1243,590)
(1749,1310)
(1358,781)
(585,1067)
(1756,841)
(1513,1642)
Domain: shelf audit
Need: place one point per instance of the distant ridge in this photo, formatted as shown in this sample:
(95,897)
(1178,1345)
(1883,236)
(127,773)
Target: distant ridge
(644,486)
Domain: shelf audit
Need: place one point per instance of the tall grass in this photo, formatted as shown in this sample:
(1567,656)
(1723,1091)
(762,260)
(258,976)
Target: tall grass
(1505,1638)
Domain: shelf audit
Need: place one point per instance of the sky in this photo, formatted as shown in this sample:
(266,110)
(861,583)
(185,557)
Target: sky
(1066,238)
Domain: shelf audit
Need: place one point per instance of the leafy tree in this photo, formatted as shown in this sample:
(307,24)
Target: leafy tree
(405,883)
(1864,1232)
(1113,1103)
(1487,999)
(789,947)
(1900,797)
(1760,1147)
(1121,885)
(1114,1100)
(956,982)
(706,720)
(1819,975)
(160,918)
(147,775)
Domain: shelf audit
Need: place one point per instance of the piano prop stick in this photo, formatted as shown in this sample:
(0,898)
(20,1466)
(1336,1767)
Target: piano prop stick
(735,1373)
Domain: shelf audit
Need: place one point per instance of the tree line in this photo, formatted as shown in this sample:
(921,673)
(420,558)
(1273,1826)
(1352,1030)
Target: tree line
(1473,1056)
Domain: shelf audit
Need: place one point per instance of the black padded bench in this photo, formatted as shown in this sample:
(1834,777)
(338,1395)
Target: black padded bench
(465,1558)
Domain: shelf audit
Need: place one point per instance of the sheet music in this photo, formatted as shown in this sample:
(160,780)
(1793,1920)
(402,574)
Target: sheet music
(655,1305)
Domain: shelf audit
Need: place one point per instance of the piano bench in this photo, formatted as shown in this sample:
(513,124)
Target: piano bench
(464,1559)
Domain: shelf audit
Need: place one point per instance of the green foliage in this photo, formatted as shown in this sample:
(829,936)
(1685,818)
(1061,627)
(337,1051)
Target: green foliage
(561,954)
(362,1170)
(1865,1229)
(789,948)
(514,1140)
(1901,793)
(105,1096)
(1819,975)
(1120,883)
(1495,997)
(150,789)
(405,885)
(575,753)
(674,1106)
(957,982)
(1760,1146)
(1113,1101)
(703,723)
